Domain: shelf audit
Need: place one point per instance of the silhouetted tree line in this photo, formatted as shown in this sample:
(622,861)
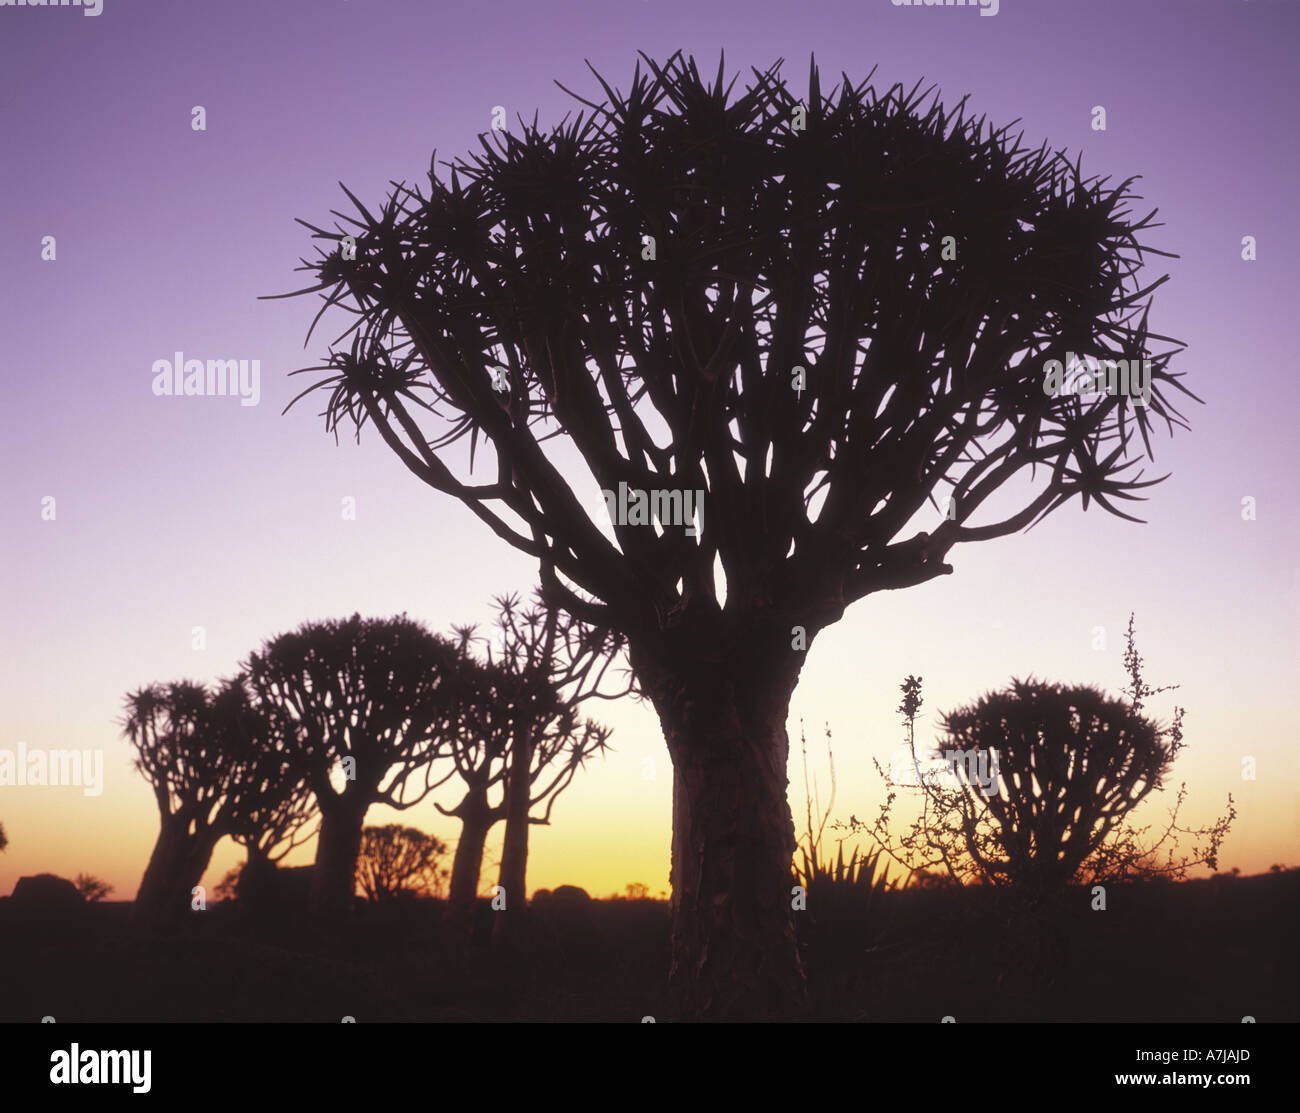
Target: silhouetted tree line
(325,721)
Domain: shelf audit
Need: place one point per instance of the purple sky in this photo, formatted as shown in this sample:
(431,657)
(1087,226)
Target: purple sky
(181,512)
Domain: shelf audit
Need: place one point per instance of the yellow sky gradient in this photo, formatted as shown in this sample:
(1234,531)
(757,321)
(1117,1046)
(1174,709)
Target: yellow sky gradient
(612,826)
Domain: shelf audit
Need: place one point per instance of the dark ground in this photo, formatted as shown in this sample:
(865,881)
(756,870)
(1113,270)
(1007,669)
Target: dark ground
(1214,950)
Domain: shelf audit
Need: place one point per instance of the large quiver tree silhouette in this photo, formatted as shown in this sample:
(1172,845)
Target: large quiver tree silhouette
(749,298)
(360,710)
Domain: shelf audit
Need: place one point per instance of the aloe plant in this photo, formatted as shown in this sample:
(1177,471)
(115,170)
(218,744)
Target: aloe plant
(846,892)
(842,893)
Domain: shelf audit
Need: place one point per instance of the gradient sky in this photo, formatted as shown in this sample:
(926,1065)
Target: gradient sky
(181,512)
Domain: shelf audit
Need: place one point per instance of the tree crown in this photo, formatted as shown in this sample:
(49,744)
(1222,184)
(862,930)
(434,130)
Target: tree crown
(818,314)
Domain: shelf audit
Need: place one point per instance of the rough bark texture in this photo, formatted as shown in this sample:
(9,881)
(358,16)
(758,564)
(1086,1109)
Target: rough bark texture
(735,952)
(334,880)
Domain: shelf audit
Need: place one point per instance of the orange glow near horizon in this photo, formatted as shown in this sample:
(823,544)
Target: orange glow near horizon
(612,826)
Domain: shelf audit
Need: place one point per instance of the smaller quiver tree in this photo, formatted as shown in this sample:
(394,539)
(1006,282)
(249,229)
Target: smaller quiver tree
(1071,765)
(361,710)
(525,735)
(188,748)
(397,860)
(1037,785)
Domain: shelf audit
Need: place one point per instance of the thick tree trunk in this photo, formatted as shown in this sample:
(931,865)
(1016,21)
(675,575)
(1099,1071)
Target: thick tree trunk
(258,859)
(507,927)
(197,859)
(255,879)
(735,953)
(338,845)
(466,866)
(161,897)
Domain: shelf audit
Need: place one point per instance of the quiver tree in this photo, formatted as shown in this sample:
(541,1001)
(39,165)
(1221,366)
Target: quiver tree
(547,664)
(520,741)
(191,746)
(395,860)
(809,317)
(357,709)
(277,803)
(479,746)
(1034,788)
(1072,764)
